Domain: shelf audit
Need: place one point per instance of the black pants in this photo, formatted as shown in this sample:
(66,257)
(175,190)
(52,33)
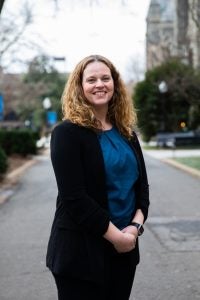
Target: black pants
(119,276)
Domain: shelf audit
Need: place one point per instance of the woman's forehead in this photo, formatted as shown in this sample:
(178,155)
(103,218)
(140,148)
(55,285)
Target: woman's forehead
(96,67)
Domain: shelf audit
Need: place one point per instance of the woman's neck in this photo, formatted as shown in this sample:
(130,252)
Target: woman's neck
(101,115)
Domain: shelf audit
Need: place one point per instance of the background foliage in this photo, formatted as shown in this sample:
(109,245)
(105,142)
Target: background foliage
(164,112)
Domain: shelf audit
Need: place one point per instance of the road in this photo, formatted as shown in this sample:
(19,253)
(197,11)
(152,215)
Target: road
(170,246)
(25,221)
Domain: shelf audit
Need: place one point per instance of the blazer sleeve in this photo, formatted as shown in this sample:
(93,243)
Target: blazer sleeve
(69,173)
(143,185)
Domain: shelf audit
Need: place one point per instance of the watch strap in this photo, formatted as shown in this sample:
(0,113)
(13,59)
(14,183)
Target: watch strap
(139,227)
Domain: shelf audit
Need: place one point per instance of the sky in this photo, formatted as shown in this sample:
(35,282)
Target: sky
(76,28)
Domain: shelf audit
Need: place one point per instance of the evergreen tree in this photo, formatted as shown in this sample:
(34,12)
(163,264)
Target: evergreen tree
(168,111)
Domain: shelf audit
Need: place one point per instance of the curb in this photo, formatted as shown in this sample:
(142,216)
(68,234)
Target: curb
(12,178)
(182,167)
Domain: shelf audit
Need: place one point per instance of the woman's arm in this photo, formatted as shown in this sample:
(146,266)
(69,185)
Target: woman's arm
(142,202)
(67,163)
(122,241)
(142,188)
(138,218)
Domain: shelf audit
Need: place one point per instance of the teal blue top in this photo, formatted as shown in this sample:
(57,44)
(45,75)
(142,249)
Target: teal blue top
(121,173)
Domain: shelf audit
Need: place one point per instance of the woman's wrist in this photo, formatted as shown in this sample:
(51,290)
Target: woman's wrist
(113,234)
(139,217)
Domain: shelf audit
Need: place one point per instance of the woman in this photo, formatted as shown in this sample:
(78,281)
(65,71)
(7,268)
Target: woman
(102,185)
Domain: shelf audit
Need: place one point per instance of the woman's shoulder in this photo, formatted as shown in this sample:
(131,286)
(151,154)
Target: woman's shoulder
(68,127)
(135,139)
(134,136)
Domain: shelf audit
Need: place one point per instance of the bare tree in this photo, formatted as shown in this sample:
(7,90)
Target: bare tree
(1,5)
(12,33)
(14,39)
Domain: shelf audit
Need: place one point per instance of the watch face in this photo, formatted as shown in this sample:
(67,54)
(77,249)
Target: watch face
(140,230)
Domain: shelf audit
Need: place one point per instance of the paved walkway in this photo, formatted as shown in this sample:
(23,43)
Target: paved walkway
(168,156)
(170,246)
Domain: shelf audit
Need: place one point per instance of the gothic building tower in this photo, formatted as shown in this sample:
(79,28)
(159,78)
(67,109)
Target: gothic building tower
(193,32)
(173,30)
(160,32)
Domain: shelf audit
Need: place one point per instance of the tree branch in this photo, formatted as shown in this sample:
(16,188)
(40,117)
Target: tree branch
(1,5)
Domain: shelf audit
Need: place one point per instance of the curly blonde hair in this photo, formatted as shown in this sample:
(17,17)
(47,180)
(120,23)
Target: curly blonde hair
(75,107)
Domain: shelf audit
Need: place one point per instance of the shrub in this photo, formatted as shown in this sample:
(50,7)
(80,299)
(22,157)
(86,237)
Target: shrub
(3,161)
(165,112)
(21,142)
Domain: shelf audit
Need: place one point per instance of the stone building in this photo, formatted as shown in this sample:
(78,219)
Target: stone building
(193,31)
(173,30)
(160,32)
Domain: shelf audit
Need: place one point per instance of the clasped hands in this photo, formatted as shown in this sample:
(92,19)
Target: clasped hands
(122,240)
(127,240)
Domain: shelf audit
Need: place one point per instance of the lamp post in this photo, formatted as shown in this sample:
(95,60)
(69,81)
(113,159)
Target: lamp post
(46,103)
(163,89)
(51,116)
(1,107)
(58,60)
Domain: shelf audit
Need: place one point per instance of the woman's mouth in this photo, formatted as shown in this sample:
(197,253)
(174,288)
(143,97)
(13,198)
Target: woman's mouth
(99,93)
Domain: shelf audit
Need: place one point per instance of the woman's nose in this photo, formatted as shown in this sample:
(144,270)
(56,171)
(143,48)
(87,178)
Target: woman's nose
(99,82)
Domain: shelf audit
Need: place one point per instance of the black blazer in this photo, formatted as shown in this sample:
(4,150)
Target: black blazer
(76,244)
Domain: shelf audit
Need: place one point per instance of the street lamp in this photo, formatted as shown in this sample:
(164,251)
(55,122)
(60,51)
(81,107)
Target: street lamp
(57,61)
(51,116)
(1,107)
(46,103)
(163,89)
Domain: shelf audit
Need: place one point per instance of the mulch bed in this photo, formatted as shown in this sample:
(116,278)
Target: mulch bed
(14,162)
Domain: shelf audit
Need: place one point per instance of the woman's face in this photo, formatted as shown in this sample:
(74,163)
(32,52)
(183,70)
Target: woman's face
(97,83)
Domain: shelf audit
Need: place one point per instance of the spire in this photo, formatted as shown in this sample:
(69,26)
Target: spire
(154,11)
(161,10)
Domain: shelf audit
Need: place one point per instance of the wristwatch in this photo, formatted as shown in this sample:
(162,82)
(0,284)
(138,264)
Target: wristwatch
(139,227)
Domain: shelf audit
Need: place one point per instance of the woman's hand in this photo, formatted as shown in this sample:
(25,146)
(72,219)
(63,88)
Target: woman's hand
(132,230)
(125,243)
(122,241)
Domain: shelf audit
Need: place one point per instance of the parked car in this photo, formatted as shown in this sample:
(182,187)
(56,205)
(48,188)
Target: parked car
(173,139)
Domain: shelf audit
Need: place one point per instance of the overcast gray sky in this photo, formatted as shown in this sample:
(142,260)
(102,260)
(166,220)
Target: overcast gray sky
(113,28)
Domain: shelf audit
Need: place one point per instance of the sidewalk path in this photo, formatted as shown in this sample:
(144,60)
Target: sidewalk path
(170,246)
(25,221)
(168,156)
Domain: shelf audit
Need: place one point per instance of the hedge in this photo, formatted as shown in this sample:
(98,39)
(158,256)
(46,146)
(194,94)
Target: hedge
(3,162)
(17,141)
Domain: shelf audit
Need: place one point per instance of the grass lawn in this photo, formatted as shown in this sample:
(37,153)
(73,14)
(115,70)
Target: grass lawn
(192,161)
(186,147)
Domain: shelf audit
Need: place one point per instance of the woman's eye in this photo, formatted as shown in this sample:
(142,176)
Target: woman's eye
(106,78)
(103,79)
(91,80)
